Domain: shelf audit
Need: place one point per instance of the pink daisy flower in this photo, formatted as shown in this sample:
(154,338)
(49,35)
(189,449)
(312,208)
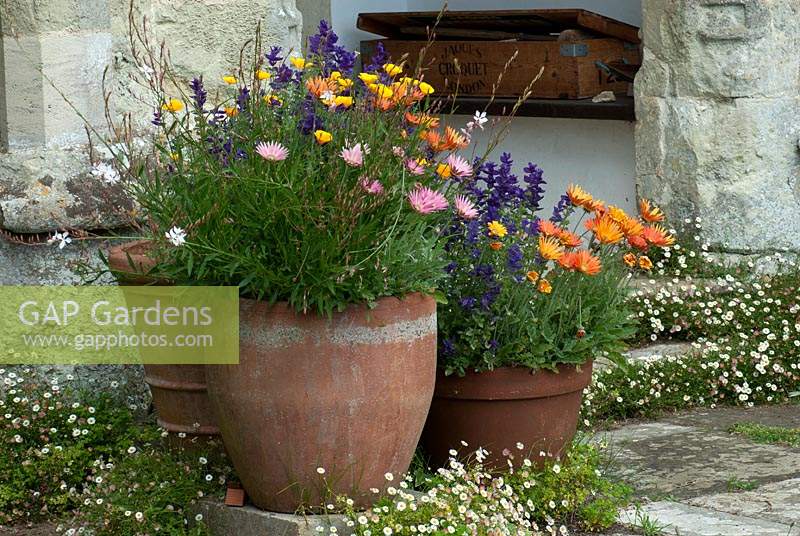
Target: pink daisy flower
(353,156)
(425,201)
(273,151)
(465,208)
(373,187)
(459,167)
(415,167)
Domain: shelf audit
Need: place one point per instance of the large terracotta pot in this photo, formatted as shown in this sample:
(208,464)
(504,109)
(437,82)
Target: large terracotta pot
(179,391)
(349,394)
(498,409)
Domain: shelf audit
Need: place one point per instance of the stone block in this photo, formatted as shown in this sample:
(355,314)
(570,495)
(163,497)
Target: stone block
(250,521)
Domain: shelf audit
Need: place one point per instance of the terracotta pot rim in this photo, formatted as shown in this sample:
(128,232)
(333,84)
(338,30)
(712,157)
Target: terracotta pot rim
(386,303)
(514,383)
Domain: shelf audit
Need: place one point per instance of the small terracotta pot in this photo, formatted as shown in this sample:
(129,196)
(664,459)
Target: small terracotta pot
(498,409)
(349,394)
(179,391)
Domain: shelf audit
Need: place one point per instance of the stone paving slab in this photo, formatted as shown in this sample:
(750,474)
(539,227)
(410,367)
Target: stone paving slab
(662,459)
(721,419)
(685,520)
(778,502)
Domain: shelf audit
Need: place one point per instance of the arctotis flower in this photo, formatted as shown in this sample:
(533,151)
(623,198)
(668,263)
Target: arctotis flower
(272,151)
(426,201)
(322,136)
(645,263)
(173,105)
(544,286)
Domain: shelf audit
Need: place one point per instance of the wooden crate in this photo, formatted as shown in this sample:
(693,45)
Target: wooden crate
(572,45)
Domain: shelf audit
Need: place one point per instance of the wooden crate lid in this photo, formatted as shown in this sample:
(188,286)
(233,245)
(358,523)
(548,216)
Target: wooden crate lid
(520,24)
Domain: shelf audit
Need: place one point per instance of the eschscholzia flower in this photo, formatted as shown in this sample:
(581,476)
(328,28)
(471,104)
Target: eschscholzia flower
(176,236)
(532,276)
(550,248)
(658,236)
(426,201)
(425,88)
(231,111)
(444,170)
(579,197)
(230,79)
(381,90)
(544,286)
(261,74)
(173,105)
(273,151)
(353,156)
(497,229)
(649,212)
(373,187)
(299,63)
(392,69)
(459,167)
(342,100)
(629,259)
(465,208)
(322,136)
(607,231)
(368,78)
(645,263)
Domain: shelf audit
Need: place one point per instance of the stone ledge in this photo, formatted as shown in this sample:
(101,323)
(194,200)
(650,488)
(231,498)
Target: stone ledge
(250,521)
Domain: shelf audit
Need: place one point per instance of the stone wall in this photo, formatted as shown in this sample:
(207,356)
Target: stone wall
(718,107)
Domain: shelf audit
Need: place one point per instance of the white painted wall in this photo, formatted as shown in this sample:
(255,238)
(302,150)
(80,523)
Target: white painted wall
(597,154)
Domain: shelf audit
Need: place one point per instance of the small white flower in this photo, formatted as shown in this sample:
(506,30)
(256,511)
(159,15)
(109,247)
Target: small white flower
(105,171)
(389,477)
(139,516)
(556,468)
(321,470)
(176,236)
(198,517)
(62,238)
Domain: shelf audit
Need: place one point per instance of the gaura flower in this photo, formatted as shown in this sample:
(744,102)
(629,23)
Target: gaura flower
(465,208)
(532,276)
(173,105)
(497,229)
(645,263)
(273,151)
(459,167)
(650,213)
(63,239)
(496,246)
(353,156)
(629,259)
(299,63)
(544,286)
(444,170)
(607,231)
(399,152)
(230,79)
(426,201)
(579,197)
(392,69)
(477,120)
(176,236)
(368,78)
(658,236)
(263,75)
(322,136)
(550,248)
(373,187)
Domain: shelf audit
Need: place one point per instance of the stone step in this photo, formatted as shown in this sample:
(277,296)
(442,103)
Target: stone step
(651,352)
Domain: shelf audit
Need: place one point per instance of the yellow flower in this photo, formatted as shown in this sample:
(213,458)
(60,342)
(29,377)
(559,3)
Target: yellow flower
(392,69)
(368,78)
(272,98)
(381,90)
(550,248)
(426,88)
(343,100)
(629,259)
(497,229)
(532,276)
(230,79)
(444,170)
(344,83)
(173,105)
(263,75)
(545,287)
(299,63)
(645,263)
(322,136)
(175,156)
(608,231)
(335,75)
(617,214)
(231,111)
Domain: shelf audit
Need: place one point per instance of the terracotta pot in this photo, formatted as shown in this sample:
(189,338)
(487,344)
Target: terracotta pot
(349,394)
(179,391)
(498,409)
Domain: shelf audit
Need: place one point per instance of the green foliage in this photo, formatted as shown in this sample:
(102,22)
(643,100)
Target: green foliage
(767,434)
(51,443)
(737,484)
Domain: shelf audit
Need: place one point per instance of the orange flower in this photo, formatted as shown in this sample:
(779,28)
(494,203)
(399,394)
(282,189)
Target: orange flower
(532,276)
(578,196)
(649,212)
(568,239)
(231,111)
(585,262)
(384,104)
(638,242)
(454,139)
(617,214)
(591,223)
(550,248)
(596,206)
(632,227)
(607,231)
(435,141)
(495,245)
(422,120)
(658,236)
(548,228)
(645,263)
(629,259)
(566,262)
(544,286)
(318,86)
